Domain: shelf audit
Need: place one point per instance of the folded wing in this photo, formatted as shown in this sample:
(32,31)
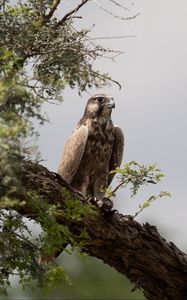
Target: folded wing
(117,153)
(72,153)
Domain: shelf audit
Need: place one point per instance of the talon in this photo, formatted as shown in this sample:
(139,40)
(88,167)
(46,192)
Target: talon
(104,203)
(91,199)
(107,204)
(99,203)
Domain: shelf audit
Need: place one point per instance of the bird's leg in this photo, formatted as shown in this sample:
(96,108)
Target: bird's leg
(99,195)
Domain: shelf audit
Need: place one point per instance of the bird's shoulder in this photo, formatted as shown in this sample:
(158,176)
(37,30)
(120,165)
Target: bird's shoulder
(117,153)
(119,133)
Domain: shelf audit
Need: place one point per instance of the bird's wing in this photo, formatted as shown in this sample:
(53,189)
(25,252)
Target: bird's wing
(117,153)
(72,153)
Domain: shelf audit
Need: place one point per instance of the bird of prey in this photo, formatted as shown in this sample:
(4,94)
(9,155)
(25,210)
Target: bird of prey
(93,150)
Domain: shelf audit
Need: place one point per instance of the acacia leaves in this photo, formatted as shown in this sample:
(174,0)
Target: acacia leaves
(32,256)
(54,55)
(136,175)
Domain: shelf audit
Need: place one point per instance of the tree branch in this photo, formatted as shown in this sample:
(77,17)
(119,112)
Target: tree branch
(70,13)
(52,10)
(116,16)
(137,251)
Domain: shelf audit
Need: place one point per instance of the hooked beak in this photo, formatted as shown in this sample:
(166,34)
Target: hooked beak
(110,103)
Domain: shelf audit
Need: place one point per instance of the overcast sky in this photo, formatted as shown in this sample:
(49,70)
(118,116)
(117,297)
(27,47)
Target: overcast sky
(150,108)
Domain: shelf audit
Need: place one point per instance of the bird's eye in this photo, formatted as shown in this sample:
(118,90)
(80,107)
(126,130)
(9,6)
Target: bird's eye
(99,99)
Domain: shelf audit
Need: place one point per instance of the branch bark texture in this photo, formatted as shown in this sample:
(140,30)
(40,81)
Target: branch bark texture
(137,251)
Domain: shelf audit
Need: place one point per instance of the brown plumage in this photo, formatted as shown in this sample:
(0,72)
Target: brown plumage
(94,149)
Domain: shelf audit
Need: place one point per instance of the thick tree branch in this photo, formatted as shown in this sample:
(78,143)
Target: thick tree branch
(137,251)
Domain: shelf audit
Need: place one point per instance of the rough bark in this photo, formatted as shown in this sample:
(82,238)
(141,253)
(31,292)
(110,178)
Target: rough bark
(137,251)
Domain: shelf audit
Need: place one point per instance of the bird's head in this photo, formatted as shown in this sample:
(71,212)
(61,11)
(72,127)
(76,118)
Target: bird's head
(100,105)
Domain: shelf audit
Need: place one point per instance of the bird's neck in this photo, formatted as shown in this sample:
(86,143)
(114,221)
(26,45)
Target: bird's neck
(97,122)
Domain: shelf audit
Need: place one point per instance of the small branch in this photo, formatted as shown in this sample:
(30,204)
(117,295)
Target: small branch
(70,13)
(115,16)
(137,213)
(121,6)
(112,37)
(149,201)
(53,8)
(117,188)
(107,78)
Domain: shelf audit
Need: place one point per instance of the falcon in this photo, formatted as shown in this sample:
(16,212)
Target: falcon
(94,149)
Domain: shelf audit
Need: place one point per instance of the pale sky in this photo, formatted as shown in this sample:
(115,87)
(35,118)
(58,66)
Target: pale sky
(150,108)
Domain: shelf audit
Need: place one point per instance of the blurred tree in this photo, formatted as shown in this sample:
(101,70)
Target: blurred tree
(91,279)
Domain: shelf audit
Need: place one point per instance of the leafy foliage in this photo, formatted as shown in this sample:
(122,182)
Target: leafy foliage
(151,199)
(23,254)
(55,55)
(136,175)
(18,253)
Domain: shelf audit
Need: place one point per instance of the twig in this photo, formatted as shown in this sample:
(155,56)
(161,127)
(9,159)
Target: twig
(70,13)
(115,16)
(2,5)
(105,77)
(137,213)
(112,37)
(117,187)
(53,8)
(121,6)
